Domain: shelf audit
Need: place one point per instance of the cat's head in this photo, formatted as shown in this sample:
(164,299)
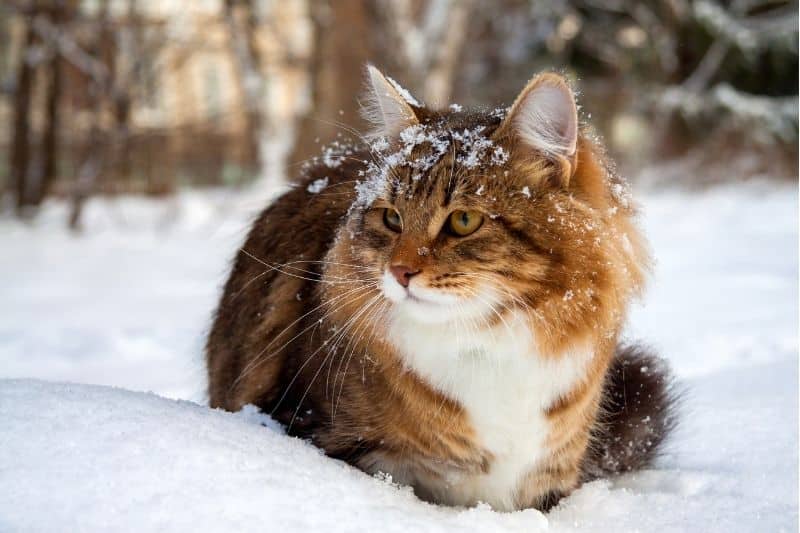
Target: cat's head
(462,215)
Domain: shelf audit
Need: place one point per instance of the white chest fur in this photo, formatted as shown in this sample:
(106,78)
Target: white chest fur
(505,388)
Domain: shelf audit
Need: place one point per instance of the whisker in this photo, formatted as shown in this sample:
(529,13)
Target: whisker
(345,329)
(259,360)
(369,319)
(277,268)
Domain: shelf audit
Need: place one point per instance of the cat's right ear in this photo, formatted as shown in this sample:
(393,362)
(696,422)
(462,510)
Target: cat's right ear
(544,118)
(387,106)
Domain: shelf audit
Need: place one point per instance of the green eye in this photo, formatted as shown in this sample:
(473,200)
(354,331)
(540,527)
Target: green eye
(463,223)
(392,220)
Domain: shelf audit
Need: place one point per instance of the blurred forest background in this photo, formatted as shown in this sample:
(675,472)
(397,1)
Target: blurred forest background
(148,96)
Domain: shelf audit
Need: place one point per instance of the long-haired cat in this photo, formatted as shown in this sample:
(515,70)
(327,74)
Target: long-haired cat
(444,305)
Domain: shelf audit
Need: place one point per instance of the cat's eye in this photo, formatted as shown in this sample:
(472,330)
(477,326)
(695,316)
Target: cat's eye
(392,219)
(463,223)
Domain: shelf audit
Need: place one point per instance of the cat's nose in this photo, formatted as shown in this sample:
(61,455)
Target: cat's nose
(402,274)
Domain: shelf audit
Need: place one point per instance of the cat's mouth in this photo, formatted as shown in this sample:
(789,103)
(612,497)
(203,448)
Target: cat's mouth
(414,298)
(432,305)
(415,293)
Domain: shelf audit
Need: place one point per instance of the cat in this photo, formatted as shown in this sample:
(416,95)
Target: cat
(443,302)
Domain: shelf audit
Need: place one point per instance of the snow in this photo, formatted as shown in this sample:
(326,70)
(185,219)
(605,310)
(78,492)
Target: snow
(381,168)
(404,94)
(318,185)
(117,460)
(499,156)
(474,149)
(127,304)
(474,145)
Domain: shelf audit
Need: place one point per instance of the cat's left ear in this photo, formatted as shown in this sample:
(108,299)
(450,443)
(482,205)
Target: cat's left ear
(387,106)
(544,118)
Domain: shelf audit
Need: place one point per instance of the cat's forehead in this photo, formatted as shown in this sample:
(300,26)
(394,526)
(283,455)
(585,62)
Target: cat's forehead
(433,160)
(457,118)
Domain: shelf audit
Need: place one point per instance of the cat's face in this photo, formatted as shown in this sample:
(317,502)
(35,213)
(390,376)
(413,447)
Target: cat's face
(448,225)
(452,211)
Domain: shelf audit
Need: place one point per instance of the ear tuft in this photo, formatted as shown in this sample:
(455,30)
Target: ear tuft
(545,116)
(387,106)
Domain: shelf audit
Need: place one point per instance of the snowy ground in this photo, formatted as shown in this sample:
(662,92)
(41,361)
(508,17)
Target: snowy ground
(127,304)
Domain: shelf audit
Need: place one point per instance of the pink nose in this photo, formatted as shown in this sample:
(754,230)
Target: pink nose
(402,274)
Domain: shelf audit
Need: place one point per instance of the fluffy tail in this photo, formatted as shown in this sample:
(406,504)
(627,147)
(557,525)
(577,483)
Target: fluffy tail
(638,413)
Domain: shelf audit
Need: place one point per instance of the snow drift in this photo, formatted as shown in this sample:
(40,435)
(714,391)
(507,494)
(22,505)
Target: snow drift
(82,457)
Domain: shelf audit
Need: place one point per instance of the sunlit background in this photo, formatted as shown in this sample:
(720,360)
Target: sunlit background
(148,96)
(138,138)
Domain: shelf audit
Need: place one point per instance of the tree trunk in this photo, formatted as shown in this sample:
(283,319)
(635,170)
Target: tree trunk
(20,145)
(426,44)
(343,44)
(97,152)
(242,28)
(50,140)
(438,85)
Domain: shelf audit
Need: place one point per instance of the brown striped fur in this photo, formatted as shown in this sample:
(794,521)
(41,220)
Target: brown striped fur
(301,327)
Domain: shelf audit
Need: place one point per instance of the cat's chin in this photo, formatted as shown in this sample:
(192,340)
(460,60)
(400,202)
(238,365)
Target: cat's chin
(424,312)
